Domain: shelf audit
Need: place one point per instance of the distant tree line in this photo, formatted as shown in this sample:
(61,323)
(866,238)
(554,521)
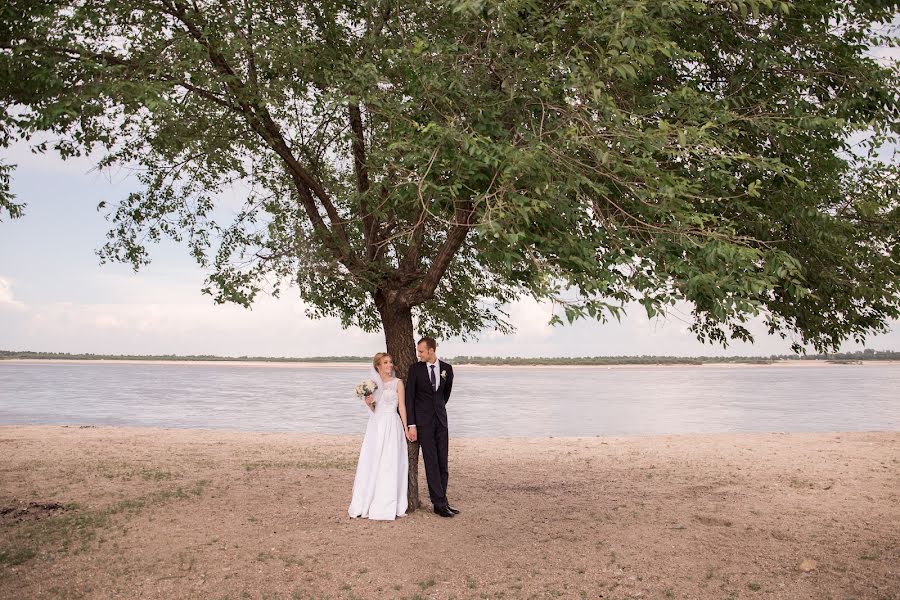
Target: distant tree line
(867,354)
(859,355)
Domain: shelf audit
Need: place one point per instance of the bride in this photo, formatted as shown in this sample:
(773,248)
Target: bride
(379,489)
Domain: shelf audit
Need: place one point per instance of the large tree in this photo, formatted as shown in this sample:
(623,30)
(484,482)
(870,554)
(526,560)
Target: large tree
(432,161)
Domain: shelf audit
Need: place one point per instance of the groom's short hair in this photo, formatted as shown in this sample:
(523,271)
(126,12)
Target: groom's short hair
(429,342)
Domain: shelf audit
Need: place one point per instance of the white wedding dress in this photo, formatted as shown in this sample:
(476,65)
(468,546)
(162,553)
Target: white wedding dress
(379,489)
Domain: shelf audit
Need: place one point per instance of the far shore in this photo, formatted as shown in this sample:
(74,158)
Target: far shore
(119,512)
(338,365)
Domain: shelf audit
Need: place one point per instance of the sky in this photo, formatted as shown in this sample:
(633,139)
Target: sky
(56,297)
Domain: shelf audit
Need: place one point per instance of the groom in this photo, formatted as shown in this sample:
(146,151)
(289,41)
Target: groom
(428,387)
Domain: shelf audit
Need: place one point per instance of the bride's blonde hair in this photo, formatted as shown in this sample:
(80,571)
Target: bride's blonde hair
(376,361)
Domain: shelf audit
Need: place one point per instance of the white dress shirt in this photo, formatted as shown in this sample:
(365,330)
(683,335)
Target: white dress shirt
(437,373)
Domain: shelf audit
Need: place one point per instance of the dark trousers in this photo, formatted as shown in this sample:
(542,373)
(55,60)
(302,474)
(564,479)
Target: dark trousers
(434,442)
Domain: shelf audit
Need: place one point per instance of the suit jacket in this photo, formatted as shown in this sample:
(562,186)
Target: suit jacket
(423,403)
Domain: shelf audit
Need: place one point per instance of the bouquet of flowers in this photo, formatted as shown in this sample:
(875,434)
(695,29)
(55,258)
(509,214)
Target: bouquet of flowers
(366,388)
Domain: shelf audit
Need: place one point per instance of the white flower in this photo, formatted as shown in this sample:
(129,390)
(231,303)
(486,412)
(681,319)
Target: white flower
(366,388)
(444,374)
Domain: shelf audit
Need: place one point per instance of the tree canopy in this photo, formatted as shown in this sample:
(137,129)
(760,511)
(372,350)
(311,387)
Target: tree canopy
(438,159)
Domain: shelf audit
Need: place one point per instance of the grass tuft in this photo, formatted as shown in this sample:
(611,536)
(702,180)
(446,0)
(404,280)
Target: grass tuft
(15,556)
(426,584)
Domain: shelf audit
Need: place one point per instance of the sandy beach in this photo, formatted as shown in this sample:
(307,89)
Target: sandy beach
(91,512)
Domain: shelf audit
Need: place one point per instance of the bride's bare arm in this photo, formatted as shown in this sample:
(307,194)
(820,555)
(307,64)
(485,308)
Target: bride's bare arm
(401,405)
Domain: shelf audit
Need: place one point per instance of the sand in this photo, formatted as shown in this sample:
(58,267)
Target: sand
(149,513)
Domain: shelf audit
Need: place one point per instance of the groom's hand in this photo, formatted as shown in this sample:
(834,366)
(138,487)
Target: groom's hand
(411,434)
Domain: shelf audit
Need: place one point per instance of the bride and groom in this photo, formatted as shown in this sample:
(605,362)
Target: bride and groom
(414,414)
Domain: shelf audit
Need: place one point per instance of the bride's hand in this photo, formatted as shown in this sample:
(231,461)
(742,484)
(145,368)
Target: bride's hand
(370,400)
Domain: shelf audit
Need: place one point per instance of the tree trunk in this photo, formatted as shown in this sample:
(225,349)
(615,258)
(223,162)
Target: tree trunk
(401,345)
(398,335)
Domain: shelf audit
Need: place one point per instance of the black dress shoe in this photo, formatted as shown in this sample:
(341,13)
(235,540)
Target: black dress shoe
(442,511)
(453,510)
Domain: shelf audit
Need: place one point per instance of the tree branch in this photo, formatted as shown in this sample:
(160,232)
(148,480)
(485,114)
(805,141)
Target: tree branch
(261,121)
(464,216)
(112,60)
(371,226)
(362,178)
(411,259)
(248,40)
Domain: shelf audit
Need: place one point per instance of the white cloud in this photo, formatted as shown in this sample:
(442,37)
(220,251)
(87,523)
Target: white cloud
(635,335)
(7,298)
(111,183)
(182,326)
(108,322)
(154,316)
(532,320)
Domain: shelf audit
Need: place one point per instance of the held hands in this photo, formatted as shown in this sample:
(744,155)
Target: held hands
(411,434)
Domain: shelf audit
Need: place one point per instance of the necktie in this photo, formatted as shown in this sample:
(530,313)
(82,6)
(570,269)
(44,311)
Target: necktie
(433,379)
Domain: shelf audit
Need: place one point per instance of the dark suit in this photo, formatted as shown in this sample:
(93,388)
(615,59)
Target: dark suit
(425,408)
